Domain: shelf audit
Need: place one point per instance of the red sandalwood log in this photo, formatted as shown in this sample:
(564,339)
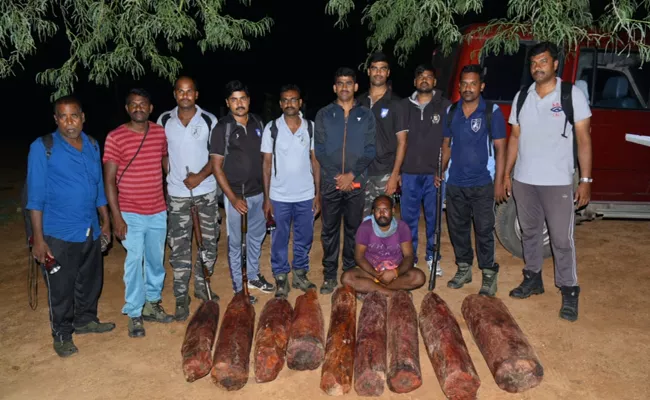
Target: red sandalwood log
(306,347)
(504,346)
(370,354)
(404,374)
(447,349)
(271,339)
(232,352)
(199,338)
(336,375)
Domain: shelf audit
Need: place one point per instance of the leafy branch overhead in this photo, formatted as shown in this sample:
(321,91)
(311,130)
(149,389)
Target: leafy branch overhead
(404,23)
(118,37)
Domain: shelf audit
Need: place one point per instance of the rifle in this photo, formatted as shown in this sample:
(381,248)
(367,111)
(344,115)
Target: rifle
(436,248)
(244,231)
(196,226)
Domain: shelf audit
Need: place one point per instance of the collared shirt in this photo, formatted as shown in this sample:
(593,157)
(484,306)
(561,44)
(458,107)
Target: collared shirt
(471,164)
(243,163)
(391,120)
(68,188)
(292,180)
(545,155)
(188,146)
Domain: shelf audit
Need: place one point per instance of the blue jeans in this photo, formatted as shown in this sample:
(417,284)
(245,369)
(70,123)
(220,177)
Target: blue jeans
(254,239)
(302,216)
(145,246)
(416,190)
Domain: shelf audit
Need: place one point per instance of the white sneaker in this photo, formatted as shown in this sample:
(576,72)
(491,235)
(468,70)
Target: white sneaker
(438,269)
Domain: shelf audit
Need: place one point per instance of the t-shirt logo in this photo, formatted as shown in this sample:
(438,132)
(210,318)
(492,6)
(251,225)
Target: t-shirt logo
(556,109)
(435,118)
(475,124)
(259,133)
(195,132)
(384,112)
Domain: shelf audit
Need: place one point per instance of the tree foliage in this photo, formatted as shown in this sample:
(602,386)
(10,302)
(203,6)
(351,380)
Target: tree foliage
(108,38)
(404,23)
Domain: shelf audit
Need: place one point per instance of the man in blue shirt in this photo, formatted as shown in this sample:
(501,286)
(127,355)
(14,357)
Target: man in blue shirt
(65,189)
(473,139)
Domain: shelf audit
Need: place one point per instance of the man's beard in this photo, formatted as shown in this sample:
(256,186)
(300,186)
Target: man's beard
(427,90)
(383,221)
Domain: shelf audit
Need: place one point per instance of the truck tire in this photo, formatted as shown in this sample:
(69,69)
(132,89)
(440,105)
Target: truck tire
(509,233)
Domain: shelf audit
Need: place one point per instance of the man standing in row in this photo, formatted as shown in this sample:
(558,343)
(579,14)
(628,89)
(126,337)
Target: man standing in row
(135,154)
(474,137)
(384,171)
(424,110)
(65,190)
(237,166)
(188,129)
(291,190)
(345,146)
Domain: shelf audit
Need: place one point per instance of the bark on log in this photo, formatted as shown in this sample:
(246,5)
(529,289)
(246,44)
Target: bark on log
(336,375)
(447,349)
(306,347)
(198,341)
(271,339)
(370,353)
(232,352)
(510,357)
(404,374)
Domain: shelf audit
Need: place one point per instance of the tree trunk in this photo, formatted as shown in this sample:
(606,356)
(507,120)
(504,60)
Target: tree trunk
(199,338)
(404,373)
(370,357)
(306,339)
(271,339)
(504,346)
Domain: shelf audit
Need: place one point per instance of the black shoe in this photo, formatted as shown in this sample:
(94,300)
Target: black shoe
(155,312)
(489,284)
(282,286)
(64,348)
(569,310)
(463,275)
(182,308)
(136,327)
(300,280)
(261,284)
(202,294)
(328,286)
(532,284)
(95,327)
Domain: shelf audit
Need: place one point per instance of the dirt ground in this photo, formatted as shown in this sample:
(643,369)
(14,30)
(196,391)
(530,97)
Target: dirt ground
(604,355)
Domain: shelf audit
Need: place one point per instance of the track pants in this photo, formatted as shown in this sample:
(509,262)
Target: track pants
(301,216)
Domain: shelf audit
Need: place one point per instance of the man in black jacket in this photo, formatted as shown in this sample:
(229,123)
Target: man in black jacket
(344,142)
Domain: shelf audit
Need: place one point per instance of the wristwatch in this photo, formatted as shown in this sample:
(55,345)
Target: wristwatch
(586,180)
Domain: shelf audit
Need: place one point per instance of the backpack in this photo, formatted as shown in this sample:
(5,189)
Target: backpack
(274,135)
(205,117)
(489,110)
(48,142)
(566,100)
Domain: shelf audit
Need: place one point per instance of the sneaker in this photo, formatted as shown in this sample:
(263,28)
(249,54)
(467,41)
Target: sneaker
(489,285)
(202,294)
(300,280)
(182,308)
(438,269)
(64,348)
(463,276)
(95,327)
(261,284)
(136,327)
(328,286)
(282,286)
(569,310)
(532,284)
(156,313)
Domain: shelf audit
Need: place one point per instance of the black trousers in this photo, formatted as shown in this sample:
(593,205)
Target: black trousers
(73,291)
(335,204)
(463,204)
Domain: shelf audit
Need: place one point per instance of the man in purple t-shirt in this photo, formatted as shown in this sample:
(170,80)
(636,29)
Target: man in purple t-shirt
(383,253)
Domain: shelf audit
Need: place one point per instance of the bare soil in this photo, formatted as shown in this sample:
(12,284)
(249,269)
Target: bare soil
(604,355)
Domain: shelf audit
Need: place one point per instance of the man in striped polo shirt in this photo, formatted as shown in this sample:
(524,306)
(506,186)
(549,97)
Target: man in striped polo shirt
(135,154)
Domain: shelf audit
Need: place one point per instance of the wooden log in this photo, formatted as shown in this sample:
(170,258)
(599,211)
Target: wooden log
(306,347)
(510,357)
(336,374)
(233,348)
(404,374)
(447,350)
(199,338)
(271,339)
(370,353)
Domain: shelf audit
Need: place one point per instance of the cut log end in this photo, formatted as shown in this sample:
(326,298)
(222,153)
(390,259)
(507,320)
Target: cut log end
(229,378)
(404,380)
(519,375)
(306,348)
(461,386)
(330,384)
(306,355)
(370,383)
(196,368)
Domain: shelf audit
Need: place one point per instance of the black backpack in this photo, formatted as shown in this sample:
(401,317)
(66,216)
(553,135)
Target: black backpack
(489,110)
(274,135)
(566,100)
(48,142)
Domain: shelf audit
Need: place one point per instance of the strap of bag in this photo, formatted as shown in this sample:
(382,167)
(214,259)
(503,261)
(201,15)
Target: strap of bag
(135,155)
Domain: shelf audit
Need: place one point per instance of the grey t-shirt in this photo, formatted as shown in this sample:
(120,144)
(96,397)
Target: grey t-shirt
(545,156)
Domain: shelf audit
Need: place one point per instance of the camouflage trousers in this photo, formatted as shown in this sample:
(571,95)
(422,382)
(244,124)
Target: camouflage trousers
(374,187)
(180,233)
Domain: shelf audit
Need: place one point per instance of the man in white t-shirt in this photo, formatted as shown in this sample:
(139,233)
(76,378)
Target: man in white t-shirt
(543,144)
(291,190)
(188,129)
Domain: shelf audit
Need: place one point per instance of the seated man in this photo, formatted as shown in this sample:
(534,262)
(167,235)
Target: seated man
(383,253)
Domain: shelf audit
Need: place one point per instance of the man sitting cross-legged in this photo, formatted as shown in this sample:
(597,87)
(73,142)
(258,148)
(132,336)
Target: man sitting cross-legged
(383,253)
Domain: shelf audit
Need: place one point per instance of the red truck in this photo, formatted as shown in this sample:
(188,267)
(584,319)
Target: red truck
(617,85)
